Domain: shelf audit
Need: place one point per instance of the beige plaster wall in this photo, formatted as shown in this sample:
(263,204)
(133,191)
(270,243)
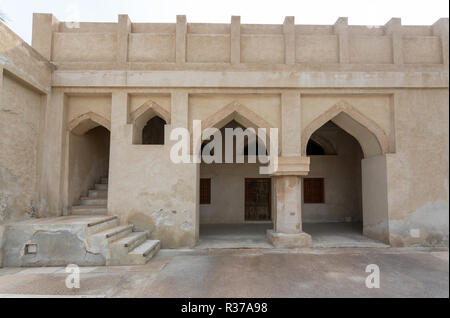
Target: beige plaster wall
(262,48)
(422,50)
(263,44)
(84,47)
(316,48)
(375,198)
(208,48)
(418,172)
(25,79)
(370,49)
(342,180)
(149,47)
(78,105)
(152,192)
(266,106)
(21,116)
(20,59)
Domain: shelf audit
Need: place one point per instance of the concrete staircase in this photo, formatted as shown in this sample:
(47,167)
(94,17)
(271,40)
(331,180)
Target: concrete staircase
(120,244)
(96,201)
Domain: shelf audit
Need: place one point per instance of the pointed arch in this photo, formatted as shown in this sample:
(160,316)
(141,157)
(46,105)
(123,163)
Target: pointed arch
(238,112)
(85,122)
(148,110)
(370,136)
(243,116)
(326,144)
(141,117)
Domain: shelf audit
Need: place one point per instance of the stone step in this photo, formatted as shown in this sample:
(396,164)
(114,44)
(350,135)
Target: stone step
(130,241)
(103,224)
(143,253)
(98,193)
(104,180)
(93,201)
(89,210)
(115,233)
(100,186)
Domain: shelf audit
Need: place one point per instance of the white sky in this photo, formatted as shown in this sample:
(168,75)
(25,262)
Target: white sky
(366,12)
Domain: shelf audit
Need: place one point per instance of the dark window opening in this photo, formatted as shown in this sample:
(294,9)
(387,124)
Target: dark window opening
(205,191)
(313,190)
(209,150)
(153,132)
(314,149)
(254,151)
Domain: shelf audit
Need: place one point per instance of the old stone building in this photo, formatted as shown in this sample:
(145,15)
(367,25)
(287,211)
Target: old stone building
(86,113)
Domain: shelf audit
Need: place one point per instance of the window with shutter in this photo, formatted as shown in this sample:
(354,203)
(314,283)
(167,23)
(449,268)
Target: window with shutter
(205,191)
(313,190)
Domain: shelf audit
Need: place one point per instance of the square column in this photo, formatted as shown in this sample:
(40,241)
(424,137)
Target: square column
(287,180)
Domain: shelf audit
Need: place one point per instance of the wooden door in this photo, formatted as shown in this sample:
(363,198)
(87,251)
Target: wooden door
(258,199)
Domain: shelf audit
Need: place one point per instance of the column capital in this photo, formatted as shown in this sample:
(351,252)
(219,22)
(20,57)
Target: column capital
(292,166)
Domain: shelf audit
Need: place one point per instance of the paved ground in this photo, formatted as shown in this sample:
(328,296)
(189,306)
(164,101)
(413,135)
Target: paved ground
(249,273)
(253,235)
(339,235)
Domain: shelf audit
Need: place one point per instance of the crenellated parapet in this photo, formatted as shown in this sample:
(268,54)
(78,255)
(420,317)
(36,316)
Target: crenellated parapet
(184,45)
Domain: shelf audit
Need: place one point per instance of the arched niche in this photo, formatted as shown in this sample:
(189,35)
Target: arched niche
(82,124)
(150,115)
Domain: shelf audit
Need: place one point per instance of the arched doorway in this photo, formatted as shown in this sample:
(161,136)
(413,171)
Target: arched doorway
(332,191)
(345,192)
(235,199)
(88,166)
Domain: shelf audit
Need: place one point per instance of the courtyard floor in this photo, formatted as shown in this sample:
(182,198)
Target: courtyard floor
(260,272)
(253,235)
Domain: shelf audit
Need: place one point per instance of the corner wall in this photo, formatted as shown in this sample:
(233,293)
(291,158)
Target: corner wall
(24,84)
